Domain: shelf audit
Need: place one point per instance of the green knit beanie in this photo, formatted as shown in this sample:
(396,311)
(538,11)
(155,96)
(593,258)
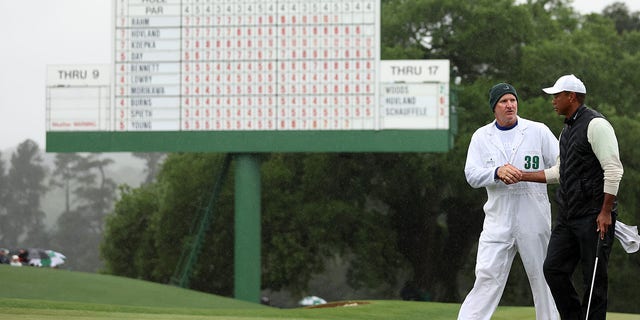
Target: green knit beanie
(498,91)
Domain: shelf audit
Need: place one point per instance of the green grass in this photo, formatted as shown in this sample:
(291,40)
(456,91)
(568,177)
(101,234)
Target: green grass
(49,294)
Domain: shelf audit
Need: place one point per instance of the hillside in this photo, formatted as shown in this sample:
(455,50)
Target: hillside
(51,294)
(61,285)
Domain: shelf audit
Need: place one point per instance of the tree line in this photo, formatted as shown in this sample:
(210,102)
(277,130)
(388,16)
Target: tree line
(87,194)
(389,218)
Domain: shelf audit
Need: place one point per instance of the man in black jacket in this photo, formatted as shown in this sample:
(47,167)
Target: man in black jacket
(589,172)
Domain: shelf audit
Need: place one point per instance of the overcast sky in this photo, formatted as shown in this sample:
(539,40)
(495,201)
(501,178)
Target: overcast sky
(37,33)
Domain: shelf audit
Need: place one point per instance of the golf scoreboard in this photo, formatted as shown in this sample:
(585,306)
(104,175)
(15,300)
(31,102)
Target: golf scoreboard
(248,76)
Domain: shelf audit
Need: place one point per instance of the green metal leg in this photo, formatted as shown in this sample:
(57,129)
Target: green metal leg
(247,266)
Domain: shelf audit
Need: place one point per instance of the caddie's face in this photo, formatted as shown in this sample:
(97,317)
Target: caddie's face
(506,110)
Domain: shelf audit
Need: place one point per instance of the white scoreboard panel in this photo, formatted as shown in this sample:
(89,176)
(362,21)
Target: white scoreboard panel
(227,65)
(78,98)
(414,94)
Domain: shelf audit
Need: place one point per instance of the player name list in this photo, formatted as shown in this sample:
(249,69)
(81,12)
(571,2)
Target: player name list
(246,65)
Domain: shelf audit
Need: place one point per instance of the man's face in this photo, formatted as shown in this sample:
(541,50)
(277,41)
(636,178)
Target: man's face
(561,103)
(506,110)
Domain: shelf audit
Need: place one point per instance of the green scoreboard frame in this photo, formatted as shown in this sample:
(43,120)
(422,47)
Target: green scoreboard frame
(252,141)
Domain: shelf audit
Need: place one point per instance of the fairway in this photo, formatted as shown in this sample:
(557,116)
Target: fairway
(40,293)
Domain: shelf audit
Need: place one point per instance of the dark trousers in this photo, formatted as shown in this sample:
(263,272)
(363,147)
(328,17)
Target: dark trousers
(574,241)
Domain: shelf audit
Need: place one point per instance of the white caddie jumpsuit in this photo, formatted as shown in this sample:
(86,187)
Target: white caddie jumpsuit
(517,216)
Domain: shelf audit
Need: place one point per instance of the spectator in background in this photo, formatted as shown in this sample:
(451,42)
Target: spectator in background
(4,256)
(23,255)
(15,261)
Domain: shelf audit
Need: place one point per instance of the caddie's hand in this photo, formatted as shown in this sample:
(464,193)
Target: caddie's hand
(509,174)
(604,222)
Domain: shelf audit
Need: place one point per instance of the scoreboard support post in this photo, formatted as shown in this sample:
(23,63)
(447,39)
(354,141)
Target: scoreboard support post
(247,255)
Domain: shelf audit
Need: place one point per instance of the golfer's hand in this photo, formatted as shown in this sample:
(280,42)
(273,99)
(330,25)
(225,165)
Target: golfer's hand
(604,222)
(509,174)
